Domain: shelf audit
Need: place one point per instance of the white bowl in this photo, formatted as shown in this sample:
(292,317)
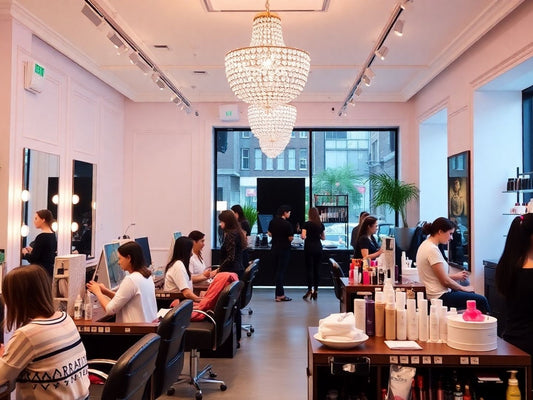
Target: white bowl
(341,344)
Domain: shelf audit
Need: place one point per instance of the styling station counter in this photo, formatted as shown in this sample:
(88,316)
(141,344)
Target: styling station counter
(365,368)
(296,271)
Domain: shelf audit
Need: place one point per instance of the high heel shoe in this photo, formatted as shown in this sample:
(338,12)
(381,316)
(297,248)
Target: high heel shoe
(314,295)
(307,295)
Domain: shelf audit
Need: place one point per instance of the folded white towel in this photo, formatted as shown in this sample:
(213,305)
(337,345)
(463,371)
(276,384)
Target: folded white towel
(339,326)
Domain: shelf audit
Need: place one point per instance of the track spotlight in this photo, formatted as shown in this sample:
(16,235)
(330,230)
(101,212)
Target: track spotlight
(115,39)
(368,76)
(138,61)
(175,99)
(382,52)
(158,81)
(352,102)
(405,4)
(398,28)
(358,91)
(92,15)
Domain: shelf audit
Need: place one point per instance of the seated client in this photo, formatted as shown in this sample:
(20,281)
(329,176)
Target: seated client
(177,272)
(433,269)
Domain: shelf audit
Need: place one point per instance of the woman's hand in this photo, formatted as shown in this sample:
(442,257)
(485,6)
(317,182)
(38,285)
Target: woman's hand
(94,287)
(207,273)
(26,250)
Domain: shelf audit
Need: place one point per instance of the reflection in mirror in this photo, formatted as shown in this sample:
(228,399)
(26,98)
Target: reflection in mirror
(39,191)
(83,210)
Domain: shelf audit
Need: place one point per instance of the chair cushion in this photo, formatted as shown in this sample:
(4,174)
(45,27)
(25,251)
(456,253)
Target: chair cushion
(200,335)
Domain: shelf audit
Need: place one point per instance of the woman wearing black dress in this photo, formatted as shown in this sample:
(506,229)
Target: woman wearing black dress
(43,250)
(367,246)
(312,233)
(245,225)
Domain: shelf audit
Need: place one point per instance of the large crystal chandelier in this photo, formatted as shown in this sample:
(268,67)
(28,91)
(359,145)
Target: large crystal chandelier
(273,127)
(267,73)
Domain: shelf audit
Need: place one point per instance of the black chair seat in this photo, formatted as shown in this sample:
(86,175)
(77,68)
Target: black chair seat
(200,335)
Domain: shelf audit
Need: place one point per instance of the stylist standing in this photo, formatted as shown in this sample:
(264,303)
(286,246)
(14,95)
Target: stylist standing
(44,248)
(312,233)
(280,229)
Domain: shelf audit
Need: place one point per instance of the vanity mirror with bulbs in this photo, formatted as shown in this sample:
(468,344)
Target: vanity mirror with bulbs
(40,191)
(83,207)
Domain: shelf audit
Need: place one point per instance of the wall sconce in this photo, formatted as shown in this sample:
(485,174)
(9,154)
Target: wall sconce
(25,195)
(24,230)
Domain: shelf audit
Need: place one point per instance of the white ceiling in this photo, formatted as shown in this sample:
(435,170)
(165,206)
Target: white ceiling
(339,39)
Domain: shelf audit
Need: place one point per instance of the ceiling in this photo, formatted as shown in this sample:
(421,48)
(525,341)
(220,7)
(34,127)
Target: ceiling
(339,35)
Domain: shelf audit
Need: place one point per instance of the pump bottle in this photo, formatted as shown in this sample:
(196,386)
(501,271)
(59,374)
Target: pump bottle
(78,307)
(513,392)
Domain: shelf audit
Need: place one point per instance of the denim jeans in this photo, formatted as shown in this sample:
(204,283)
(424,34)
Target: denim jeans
(458,300)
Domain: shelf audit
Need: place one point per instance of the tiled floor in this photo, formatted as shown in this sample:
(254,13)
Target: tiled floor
(271,364)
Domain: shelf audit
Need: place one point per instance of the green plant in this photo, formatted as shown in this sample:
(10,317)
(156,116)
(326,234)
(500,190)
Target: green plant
(250,213)
(340,180)
(393,193)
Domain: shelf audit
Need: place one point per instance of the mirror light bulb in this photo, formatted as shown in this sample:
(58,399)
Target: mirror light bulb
(24,230)
(54,226)
(55,199)
(74,227)
(25,195)
(75,199)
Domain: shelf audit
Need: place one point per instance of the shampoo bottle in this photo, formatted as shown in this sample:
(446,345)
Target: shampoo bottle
(78,306)
(513,392)
(390,321)
(423,320)
(379,314)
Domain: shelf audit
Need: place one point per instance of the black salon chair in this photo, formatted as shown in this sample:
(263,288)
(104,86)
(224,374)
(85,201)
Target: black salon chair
(132,371)
(209,334)
(246,294)
(336,275)
(169,363)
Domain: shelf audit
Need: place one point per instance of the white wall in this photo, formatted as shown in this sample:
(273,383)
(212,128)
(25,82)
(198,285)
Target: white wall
(75,117)
(433,167)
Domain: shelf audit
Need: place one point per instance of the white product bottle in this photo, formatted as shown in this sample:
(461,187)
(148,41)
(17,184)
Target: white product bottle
(88,315)
(359,309)
(401,322)
(434,324)
(412,320)
(78,307)
(379,314)
(530,205)
(423,320)
(443,324)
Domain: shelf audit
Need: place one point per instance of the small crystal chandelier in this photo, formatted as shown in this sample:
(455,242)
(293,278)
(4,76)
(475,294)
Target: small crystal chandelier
(273,127)
(267,73)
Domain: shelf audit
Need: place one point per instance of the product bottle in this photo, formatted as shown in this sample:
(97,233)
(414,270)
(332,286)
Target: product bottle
(434,314)
(379,314)
(88,314)
(78,307)
(401,316)
(513,392)
(423,320)
(467,395)
(359,311)
(530,205)
(351,276)
(443,324)
(420,387)
(370,317)
(458,394)
(390,322)
(472,313)
(412,320)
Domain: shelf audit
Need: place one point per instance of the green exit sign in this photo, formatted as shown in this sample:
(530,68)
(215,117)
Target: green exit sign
(39,70)
(229,113)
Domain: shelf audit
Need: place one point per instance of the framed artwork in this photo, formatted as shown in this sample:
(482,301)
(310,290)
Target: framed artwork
(459,209)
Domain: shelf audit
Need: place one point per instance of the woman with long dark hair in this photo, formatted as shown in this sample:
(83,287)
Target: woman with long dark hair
(245,226)
(514,280)
(199,271)
(45,355)
(367,246)
(134,300)
(44,248)
(178,277)
(433,269)
(233,245)
(312,232)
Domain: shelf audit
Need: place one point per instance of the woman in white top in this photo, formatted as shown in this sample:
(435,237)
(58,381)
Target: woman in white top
(177,273)
(199,271)
(134,301)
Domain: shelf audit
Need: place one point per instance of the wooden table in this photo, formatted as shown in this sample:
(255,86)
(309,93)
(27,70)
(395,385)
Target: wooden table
(434,357)
(352,291)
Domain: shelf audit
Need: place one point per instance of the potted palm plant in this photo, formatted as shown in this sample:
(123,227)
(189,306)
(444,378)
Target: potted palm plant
(250,213)
(395,194)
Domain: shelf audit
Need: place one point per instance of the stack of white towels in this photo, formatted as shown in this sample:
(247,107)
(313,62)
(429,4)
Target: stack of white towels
(339,327)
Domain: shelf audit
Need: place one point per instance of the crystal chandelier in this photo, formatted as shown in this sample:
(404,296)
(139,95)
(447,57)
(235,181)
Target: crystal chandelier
(273,127)
(267,73)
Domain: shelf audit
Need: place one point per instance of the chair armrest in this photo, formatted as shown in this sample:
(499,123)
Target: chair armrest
(212,320)
(98,372)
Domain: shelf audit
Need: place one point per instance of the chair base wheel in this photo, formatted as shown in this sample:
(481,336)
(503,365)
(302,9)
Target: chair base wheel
(248,334)
(198,396)
(171,391)
(252,330)
(250,312)
(223,387)
(212,375)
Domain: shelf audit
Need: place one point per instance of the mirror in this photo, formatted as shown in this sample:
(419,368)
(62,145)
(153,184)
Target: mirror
(83,210)
(40,190)
(459,209)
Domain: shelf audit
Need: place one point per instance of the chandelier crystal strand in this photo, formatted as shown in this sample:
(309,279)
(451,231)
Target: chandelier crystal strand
(273,127)
(267,73)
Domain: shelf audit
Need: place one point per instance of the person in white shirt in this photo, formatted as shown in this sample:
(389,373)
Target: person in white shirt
(45,358)
(177,271)
(134,301)
(199,271)
(433,269)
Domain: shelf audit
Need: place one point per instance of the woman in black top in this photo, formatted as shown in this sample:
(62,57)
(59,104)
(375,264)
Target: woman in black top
(514,280)
(312,232)
(280,230)
(233,244)
(43,250)
(245,225)
(367,246)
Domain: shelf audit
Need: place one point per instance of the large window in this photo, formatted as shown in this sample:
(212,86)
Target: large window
(331,162)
